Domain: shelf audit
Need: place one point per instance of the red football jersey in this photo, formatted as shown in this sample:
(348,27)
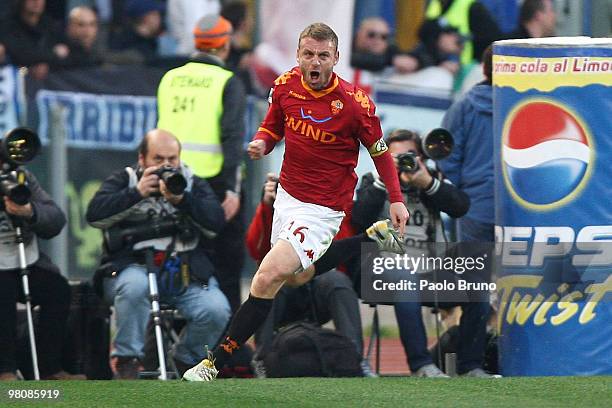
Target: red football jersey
(322,132)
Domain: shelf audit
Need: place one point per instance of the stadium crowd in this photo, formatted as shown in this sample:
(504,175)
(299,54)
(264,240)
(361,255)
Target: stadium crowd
(187,38)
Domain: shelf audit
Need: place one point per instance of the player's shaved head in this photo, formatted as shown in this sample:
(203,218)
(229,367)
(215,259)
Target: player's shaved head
(319,32)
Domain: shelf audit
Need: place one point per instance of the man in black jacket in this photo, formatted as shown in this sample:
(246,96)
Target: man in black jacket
(33,39)
(137,197)
(426,193)
(81,37)
(39,218)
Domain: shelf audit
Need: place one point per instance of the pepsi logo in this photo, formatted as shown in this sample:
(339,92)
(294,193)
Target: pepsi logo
(547,154)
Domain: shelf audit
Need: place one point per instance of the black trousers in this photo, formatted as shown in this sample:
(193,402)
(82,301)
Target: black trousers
(51,291)
(229,259)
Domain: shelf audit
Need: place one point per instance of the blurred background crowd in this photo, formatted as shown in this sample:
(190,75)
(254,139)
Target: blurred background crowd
(390,38)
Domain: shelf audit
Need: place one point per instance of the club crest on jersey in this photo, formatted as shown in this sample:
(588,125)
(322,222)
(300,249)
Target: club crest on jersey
(336,106)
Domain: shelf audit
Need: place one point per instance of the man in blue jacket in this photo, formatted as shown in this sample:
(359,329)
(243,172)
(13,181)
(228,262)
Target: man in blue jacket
(470,168)
(470,165)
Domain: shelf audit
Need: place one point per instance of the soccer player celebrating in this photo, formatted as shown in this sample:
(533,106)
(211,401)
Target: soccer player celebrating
(323,119)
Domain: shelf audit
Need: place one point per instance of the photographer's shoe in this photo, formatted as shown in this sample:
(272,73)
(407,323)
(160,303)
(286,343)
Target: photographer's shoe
(386,238)
(479,373)
(64,376)
(366,370)
(126,368)
(8,376)
(430,371)
(204,371)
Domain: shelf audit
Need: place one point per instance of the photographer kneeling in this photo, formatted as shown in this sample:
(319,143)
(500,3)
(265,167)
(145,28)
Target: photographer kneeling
(140,211)
(426,194)
(24,204)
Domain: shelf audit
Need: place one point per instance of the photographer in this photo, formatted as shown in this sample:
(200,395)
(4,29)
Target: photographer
(426,193)
(39,217)
(134,198)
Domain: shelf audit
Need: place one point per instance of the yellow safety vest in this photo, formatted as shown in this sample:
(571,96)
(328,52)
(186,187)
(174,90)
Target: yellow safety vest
(190,105)
(457,16)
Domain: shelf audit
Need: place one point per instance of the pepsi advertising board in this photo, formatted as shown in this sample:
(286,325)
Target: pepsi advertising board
(553,202)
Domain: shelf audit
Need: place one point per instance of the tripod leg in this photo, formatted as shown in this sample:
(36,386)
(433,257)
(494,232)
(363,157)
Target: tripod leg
(26,290)
(156,315)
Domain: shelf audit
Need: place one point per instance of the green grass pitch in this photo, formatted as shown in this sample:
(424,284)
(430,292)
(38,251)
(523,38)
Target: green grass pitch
(394,392)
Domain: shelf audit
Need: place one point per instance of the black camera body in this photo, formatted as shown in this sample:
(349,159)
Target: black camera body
(13,184)
(436,145)
(172,177)
(19,146)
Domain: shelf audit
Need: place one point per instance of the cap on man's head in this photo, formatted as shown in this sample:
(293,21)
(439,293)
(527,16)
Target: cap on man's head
(211,32)
(138,8)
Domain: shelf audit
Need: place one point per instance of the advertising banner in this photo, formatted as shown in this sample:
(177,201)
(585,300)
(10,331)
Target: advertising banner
(552,129)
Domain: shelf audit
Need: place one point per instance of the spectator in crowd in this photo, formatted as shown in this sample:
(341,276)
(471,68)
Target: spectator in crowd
(137,42)
(241,53)
(136,197)
(426,194)
(439,46)
(81,35)
(182,18)
(470,164)
(39,218)
(330,294)
(32,39)
(471,19)
(209,121)
(373,52)
(110,16)
(537,19)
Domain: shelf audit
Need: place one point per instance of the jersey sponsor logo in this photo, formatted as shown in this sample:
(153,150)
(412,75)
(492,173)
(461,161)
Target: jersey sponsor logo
(336,107)
(306,129)
(296,95)
(309,116)
(547,154)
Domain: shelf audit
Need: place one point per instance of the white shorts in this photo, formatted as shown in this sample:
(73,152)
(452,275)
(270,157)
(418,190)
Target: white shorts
(309,228)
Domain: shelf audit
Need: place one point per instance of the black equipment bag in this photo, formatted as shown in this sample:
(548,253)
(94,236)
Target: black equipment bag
(305,350)
(87,346)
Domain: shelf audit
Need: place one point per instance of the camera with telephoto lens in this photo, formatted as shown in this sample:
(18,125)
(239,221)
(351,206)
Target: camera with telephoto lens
(436,145)
(174,179)
(118,237)
(17,147)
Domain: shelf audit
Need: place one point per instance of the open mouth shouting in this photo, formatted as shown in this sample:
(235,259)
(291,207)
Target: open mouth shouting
(314,76)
